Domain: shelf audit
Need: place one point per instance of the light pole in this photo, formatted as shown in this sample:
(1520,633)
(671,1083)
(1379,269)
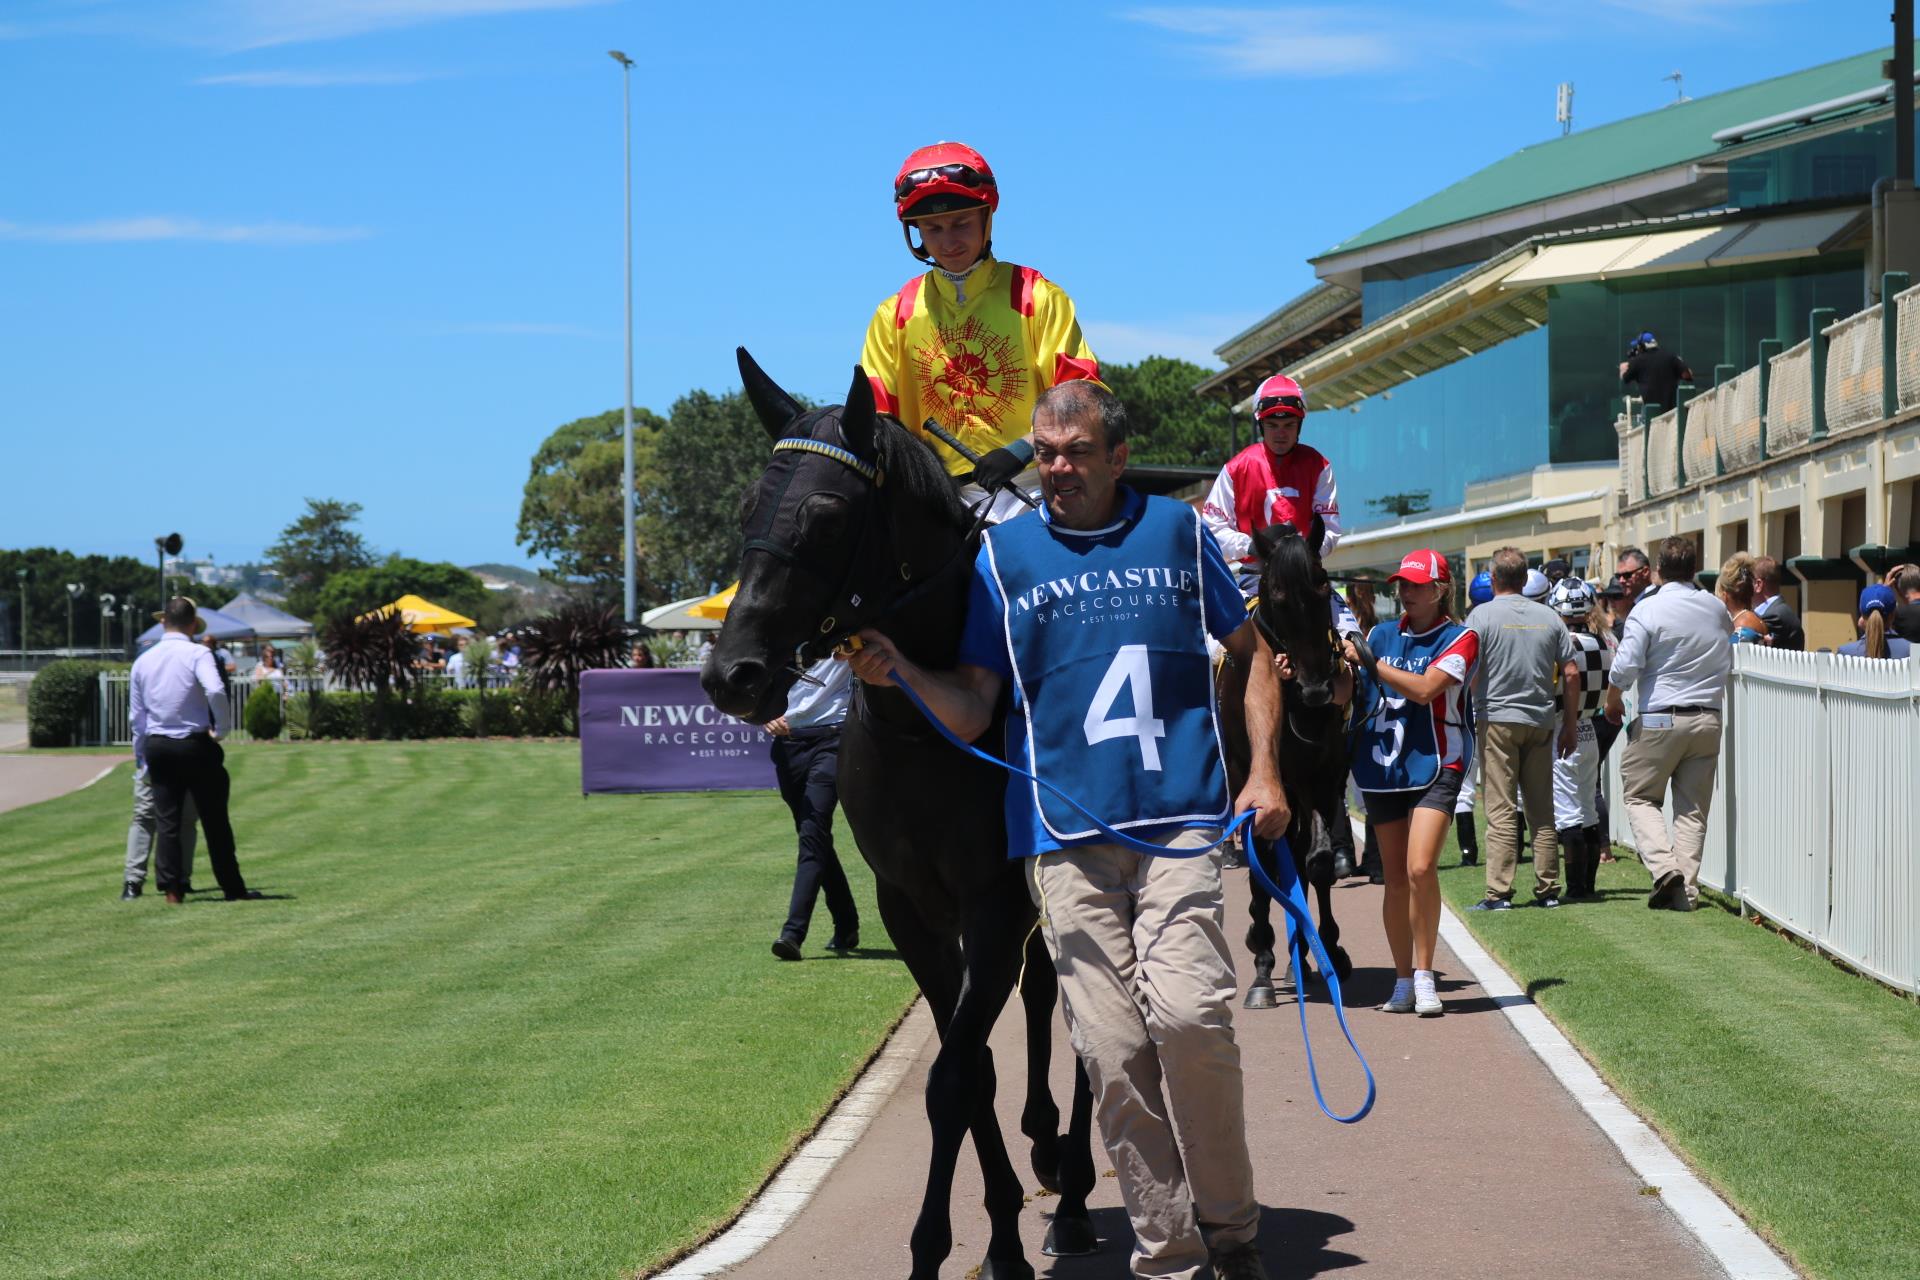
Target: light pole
(25,575)
(626,406)
(106,613)
(128,612)
(74,591)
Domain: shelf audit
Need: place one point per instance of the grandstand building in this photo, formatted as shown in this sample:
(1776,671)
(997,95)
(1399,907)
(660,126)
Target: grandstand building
(1480,330)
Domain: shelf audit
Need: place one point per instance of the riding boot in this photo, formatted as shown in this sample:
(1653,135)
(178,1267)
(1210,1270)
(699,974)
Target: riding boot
(1467,836)
(1596,845)
(1340,836)
(1573,857)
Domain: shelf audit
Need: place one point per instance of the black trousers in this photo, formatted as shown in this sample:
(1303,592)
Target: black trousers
(808,766)
(182,767)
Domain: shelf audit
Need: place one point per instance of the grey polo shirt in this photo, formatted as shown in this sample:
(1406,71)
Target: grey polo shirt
(1522,647)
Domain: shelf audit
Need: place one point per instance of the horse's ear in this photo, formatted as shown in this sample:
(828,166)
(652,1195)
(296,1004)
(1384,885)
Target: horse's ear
(1265,540)
(856,419)
(776,408)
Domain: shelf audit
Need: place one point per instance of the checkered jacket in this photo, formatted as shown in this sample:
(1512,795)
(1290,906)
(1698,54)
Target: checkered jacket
(1594,657)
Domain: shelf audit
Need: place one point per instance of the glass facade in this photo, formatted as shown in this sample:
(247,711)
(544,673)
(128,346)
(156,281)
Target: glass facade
(1439,432)
(1708,317)
(1382,297)
(1837,165)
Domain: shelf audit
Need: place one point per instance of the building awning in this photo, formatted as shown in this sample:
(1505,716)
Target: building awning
(1461,318)
(1726,244)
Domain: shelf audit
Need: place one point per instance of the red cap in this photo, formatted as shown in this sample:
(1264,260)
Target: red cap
(1422,567)
(1279,395)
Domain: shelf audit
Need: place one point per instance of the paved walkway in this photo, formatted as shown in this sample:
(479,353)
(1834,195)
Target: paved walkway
(28,779)
(1475,1162)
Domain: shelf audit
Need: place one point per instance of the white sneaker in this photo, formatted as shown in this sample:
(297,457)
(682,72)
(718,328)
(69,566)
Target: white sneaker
(1401,1001)
(1426,1001)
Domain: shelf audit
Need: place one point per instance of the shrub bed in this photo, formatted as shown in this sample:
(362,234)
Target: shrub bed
(61,701)
(442,713)
(263,715)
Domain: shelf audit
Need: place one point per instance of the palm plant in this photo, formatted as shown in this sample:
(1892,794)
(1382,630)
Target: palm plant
(557,647)
(374,652)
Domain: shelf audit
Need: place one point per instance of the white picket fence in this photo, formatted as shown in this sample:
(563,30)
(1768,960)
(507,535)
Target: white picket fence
(1812,823)
(111,723)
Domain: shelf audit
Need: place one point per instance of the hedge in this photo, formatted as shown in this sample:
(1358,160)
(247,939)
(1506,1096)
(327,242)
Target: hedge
(441,713)
(62,699)
(263,716)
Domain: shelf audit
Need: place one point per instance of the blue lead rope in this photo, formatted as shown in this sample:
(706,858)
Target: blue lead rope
(1288,893)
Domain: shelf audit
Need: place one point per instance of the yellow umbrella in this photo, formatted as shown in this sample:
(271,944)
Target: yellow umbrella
(714,606)
(421,615)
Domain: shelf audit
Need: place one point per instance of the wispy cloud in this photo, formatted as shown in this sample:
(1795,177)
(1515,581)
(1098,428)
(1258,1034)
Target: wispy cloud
(236,25)
(1185,338)
(316,79)
(516,328)
(1701,13)
(1294,41)
(149,229)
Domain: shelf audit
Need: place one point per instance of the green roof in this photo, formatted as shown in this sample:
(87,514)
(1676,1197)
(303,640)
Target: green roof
(1623,149)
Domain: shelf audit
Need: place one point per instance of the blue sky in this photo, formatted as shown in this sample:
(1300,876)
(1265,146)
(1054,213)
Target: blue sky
(253,251)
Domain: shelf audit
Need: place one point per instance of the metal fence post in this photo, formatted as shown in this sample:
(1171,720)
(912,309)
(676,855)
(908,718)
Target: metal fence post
(1890,284)
(1681,395)
(1817,321)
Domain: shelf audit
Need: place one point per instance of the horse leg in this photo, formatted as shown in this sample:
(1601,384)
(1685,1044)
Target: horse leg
(960,1089)
(1260,936)
(1320,874)
(1071,1233)
(1040,1118)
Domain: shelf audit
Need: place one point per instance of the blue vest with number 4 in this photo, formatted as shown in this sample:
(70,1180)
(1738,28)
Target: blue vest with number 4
(1112,683)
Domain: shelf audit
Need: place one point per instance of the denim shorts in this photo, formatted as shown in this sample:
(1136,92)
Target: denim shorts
(1392,806)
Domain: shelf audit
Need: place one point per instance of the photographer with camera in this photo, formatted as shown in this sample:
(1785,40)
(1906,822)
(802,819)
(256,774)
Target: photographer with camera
(1657,372)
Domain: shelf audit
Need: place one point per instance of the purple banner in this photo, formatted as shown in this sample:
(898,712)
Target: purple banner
(656,731)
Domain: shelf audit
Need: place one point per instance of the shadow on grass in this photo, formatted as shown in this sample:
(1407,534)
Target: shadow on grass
(1294,1243)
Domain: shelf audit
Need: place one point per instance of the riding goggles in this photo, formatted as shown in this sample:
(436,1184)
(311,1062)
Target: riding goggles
(1271,405)
(965,175)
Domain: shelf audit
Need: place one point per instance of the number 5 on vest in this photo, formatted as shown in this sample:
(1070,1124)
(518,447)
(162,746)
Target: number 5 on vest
(1129,668)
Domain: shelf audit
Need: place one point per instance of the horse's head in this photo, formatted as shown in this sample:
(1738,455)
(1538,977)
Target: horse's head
(836,530)
(1295,611)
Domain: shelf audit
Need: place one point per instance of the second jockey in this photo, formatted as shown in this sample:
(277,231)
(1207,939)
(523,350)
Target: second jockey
(973,342)
(1276,480)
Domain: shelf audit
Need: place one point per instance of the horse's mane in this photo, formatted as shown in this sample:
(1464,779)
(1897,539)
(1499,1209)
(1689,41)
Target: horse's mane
(911,462)
(1290,564)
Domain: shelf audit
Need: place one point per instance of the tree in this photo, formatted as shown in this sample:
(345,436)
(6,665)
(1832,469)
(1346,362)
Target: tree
(711,449)
(353,592)
(570,508)
(123,577)
(1168,423)
(1410,503)
(313,548)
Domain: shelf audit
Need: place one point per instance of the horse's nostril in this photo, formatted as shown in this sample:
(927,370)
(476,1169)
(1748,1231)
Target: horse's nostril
(746,675)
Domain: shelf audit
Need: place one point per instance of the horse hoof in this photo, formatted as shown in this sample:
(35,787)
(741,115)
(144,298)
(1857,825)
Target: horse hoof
(1260,998)
(1004,1269)
(1342,963)
(1070,1238)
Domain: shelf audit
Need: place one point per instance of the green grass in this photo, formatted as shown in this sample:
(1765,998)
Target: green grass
(494,1030)
(1790,1084)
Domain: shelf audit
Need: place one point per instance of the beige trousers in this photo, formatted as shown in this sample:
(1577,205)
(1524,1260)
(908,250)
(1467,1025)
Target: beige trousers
(1520,756)
(1140,945)
(1687,756)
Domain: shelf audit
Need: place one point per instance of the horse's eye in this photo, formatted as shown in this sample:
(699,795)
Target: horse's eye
(823,517)
(748,501)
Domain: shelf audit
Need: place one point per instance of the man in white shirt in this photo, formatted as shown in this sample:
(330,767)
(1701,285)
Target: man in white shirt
(806,760)
(179,713)
(1677,651)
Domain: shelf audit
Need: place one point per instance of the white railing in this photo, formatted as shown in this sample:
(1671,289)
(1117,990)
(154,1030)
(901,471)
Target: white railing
(1663,453)
(1737,427)
(111,725)
(1633,461)
(1811,824)
(1907,347)
(1790,399)
(1853,371)
(1699,441)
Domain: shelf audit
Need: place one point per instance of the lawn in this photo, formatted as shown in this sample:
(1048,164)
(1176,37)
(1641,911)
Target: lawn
(484,1028)
(1791,1085)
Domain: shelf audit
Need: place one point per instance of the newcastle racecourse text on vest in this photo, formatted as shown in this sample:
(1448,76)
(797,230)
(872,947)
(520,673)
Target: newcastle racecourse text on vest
(1147,587)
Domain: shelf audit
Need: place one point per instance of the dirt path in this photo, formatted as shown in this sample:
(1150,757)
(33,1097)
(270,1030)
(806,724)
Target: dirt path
(1475,1163)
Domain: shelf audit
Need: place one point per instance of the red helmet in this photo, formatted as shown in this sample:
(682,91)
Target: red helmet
(944,178)
(1279,395)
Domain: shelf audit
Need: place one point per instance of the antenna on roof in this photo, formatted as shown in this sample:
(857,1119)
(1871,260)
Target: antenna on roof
(1679,94)
(1563,108)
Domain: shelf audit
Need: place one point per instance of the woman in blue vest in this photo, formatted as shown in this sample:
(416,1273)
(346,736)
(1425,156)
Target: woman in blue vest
(1412,756)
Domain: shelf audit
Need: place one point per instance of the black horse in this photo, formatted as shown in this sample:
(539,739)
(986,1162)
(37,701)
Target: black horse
(856,524)
(1294,616)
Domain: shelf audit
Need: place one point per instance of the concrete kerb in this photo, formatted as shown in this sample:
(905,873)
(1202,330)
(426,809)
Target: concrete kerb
(785,1194)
